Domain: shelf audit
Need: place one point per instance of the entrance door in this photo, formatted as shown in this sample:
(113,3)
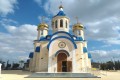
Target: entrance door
(64,66)
(61,62)
(69,66)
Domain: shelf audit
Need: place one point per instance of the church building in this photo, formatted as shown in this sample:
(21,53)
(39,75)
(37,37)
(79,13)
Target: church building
(60,51)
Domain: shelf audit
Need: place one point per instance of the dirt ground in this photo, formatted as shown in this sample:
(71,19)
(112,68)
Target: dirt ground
(20,75)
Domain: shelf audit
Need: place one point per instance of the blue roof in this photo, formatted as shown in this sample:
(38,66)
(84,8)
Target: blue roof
(42,38)
(84,49)
(37,49)
(31,55)
(79,39)
(61,13)
(47,38)
(62,32)
(89,55)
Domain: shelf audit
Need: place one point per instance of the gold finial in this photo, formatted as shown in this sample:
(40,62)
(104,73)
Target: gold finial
(77,19)
(60,5)
(42,25)
(78,25)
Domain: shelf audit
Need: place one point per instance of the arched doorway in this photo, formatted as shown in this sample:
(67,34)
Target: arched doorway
(63,65)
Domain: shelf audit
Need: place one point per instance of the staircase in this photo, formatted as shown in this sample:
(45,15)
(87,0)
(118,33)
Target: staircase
(62,75)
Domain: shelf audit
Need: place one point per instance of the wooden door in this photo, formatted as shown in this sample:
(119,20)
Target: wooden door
(61,57)
(69,66)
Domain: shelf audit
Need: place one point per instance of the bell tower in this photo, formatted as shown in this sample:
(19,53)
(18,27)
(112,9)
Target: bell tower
(60,22)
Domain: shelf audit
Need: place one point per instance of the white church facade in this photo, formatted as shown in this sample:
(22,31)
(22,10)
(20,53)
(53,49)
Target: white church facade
(61,51)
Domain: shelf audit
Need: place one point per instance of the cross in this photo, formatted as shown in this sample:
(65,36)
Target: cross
(77,19)
(61,2)
(42,19)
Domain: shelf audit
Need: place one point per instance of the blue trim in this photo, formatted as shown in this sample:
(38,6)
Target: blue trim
(37,49)
(31,55)
(79,39)
(62,32)
(89,55)
(84,49)
(71,39)
(48,37)
(44,38)
(62,51)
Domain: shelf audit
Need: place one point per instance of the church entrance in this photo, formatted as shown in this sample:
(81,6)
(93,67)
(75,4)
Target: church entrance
(62,64)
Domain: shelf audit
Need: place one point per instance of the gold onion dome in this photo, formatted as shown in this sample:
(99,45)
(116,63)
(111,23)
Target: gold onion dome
(42,26)
(78,26)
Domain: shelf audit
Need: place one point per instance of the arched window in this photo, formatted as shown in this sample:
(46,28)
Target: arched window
(78,32)
(66,24)
(52,24)
(61,23)
(56,23)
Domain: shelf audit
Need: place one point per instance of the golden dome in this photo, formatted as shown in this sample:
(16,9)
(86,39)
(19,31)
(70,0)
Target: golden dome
(78,26)
(42,26)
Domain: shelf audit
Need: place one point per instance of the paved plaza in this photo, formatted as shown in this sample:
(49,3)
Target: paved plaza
(20,75)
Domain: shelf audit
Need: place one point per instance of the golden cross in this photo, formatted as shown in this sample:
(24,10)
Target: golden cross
(61,2)
(42,19)
(77,19)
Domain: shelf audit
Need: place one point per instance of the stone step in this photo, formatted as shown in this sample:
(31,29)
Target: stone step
(62,75)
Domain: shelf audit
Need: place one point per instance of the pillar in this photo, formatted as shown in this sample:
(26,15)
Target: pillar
(73,62)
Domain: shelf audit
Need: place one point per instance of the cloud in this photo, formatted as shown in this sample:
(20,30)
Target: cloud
(7,6)
(106,30)
(18,42)
(104,55)
(6,22)
(97,9)
(38,1)
(100,17)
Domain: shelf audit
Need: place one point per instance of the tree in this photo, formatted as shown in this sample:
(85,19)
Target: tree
(21,63)
(15,66)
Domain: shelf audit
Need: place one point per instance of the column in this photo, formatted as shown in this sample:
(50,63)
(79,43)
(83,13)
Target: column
(73,62)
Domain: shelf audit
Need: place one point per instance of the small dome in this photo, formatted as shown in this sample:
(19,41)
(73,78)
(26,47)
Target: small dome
(42,26)
(78,26)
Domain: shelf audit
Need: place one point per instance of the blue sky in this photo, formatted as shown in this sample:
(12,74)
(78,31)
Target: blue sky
(19,20)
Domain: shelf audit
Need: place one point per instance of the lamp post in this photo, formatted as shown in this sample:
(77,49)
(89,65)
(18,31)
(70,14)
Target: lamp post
(114,63)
